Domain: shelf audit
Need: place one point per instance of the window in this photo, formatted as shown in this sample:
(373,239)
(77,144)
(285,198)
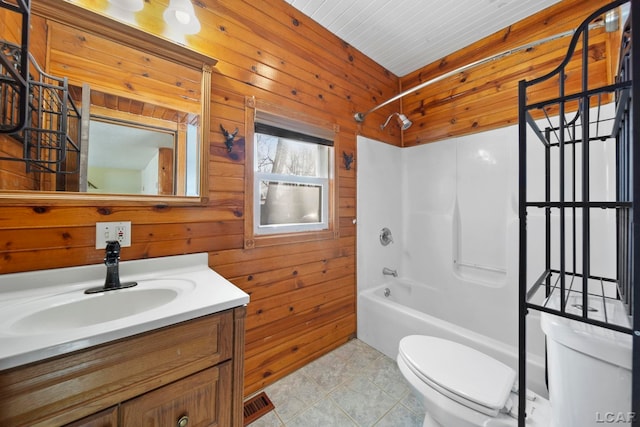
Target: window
(290,171)
(291,176)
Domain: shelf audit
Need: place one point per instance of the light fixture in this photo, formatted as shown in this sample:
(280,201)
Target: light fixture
(125,10)
(128,5)
(181,18)
(404,122)
(612,20)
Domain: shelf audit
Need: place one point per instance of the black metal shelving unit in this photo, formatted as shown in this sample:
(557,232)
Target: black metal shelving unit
(35,107)
(561,278)
(14,72)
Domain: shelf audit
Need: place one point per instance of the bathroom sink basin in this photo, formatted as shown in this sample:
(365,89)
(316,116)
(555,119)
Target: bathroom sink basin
(46,313)
(79,310)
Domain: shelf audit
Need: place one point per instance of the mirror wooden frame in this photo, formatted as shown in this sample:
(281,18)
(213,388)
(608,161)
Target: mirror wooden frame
(86,20)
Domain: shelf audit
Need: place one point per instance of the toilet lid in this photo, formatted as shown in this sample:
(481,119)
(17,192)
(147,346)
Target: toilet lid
(462,373)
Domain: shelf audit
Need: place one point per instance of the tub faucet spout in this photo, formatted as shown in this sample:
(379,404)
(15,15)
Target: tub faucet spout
(389,272)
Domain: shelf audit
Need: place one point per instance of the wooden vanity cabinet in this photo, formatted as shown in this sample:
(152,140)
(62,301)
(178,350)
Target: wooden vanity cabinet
(185,375)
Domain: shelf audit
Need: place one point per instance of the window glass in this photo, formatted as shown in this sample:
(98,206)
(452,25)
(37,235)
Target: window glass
(291,178)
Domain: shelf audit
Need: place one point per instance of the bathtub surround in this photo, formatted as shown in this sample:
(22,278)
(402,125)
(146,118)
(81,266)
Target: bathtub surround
(401,307)
(456,242)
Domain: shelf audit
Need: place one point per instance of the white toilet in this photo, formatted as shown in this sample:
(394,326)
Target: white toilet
(589,378)
(589,367)
(462,387)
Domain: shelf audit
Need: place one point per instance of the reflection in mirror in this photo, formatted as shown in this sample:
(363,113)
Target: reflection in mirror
(127,159)
(138,148)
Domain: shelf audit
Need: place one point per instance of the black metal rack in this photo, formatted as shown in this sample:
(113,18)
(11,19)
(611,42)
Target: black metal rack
(50,136)
(563,279)
(35,107)
(14,72)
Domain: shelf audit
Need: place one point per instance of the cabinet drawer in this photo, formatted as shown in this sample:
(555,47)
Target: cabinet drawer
(200,400)
(106,418)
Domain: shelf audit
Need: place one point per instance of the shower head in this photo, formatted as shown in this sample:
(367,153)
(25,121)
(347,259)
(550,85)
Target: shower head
(405,123)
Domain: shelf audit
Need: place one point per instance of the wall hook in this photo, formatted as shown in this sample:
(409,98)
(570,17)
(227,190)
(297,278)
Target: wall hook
(348,159)
(228,138)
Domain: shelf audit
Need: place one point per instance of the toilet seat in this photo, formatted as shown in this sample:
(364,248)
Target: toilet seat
(461,373)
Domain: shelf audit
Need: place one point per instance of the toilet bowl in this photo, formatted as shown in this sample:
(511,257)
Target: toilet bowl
(462,387)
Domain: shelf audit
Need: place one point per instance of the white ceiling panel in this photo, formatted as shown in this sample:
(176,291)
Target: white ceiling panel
(405,35)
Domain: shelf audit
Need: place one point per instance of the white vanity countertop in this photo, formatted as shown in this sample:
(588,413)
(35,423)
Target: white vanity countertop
(201,291)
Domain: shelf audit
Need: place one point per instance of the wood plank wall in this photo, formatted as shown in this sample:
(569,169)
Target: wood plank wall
(486,97)
(303,295)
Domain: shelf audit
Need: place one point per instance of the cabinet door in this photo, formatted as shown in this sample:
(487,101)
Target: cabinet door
(106,418)
(202,399)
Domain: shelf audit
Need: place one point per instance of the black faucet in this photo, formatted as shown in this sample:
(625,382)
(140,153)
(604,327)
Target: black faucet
(112,261)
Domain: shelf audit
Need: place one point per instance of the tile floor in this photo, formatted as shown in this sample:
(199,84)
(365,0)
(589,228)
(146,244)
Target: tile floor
(353,386)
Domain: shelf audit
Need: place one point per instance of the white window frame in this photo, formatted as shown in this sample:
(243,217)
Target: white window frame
(268,113)
(323,183)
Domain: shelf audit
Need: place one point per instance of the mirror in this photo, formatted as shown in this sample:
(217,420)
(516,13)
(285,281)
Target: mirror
(136,147)
(144,104)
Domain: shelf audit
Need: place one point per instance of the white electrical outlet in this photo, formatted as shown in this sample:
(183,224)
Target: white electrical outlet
(106,231)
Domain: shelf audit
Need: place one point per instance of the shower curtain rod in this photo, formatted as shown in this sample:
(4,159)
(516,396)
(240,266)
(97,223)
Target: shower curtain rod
(359,117)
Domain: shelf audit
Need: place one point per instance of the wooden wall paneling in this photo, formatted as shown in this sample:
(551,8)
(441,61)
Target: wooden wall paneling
(274,308)
(287,85)
(287,300)
(460,105)
(284,280)
(272,275)
(484,91)
(368,77)
(11,26)
(273,57)
(472,83)
(84,46)
(264,54)
(281,358)
(13,174)
(563,16)
(486,110)
(72,232)
(243,262)
(276,28)
(112,68)
(263,337)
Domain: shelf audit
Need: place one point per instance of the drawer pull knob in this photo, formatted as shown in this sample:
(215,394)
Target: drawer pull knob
(183,421)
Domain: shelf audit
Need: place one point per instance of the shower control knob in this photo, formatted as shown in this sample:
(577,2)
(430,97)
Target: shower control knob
(385,236)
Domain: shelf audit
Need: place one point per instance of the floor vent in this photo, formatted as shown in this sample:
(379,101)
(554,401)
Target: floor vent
(256,407)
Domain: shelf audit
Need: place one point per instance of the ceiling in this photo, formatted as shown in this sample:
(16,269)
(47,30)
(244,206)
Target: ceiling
(405,35)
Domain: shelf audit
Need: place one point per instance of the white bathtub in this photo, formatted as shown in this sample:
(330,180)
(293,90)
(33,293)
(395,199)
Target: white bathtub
(384,320)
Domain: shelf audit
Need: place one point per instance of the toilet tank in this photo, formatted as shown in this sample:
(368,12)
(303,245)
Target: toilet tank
(589,367)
